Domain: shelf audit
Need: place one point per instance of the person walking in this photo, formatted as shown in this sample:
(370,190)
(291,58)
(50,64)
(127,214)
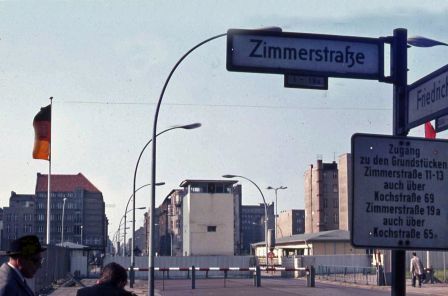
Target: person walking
(111,283)
(416,269)
(25,258)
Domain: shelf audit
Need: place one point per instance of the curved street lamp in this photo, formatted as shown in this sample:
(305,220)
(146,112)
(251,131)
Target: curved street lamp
(265,210)
(276,189)
(153,156)
(133,208)
(187,127)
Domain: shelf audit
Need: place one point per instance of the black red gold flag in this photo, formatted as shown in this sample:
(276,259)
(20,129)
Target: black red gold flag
(42,132)
(430,132)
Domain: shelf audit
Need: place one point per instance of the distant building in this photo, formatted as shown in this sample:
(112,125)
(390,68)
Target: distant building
(290,222)
(85,220)
(18,217)
(332,242)
(156,232)
(1,228)
(345,191)
(252,225)
(321,197)
(139,241)
(208,217)
(170,223)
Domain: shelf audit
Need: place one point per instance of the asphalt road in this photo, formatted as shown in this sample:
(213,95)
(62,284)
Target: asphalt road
(235,287)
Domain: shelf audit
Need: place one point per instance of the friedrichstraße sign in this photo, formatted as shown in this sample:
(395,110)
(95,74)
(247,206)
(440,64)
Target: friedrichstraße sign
(400,192)
(305,54)
(428,98)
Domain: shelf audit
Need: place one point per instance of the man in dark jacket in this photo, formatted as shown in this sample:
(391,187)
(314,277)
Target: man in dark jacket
(112,282)
(25,259)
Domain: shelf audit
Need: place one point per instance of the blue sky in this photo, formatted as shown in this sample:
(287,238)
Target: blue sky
(105,62)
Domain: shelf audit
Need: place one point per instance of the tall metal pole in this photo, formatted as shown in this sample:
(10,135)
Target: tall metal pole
(276,204)
(153,158)
(399,69)
(153,167)
(131,271)
(63,212)
(49,179)
(265,210)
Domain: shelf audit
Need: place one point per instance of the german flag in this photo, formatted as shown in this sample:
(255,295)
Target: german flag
(42,132)
(430,132)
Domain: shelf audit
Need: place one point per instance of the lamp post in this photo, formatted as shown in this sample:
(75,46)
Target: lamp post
(63,212)
(275,219)
(124,222)
(187,126)
(133,208)
(82,243)
(153,157)
(265,210)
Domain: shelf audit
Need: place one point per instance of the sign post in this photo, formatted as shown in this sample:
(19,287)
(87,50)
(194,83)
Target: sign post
(399,68)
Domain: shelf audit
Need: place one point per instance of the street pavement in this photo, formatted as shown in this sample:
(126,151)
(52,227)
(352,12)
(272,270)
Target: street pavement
(270,286)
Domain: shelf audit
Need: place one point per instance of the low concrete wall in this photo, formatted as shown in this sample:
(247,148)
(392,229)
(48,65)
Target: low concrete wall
(187,261)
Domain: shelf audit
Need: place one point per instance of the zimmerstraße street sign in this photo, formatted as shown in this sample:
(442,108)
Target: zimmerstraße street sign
(400,192)
(305,54)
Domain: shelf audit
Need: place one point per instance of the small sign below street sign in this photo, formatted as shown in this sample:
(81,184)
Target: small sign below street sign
(441,123)
(428,98)
(305,54)
(399,192)
(311,82)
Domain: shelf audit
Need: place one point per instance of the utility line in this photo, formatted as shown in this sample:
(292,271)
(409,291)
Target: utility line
(228,105)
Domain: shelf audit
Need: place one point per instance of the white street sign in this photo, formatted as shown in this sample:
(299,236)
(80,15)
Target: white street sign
(428,98)
(305,54)
(400,192)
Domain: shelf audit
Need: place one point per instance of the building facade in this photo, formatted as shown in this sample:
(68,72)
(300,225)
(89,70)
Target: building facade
(75,203)
(290,222)
(208,218)
(321,197)
(345,191)
(19,217)
(252,225)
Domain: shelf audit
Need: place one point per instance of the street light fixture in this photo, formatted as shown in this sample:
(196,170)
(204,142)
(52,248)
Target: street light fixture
(276,189)
(265,210)
(124,222)
(63,212)
(153,155)
(187,127)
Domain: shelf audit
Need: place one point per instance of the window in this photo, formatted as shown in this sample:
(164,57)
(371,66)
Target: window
(211,228)
(325,202)
(335,203)
(336,218)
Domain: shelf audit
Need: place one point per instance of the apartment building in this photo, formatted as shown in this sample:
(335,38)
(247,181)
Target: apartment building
(290,222)
(18,217)
(321,197)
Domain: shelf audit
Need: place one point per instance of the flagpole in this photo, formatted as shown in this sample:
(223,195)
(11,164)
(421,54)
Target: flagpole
(49,179)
